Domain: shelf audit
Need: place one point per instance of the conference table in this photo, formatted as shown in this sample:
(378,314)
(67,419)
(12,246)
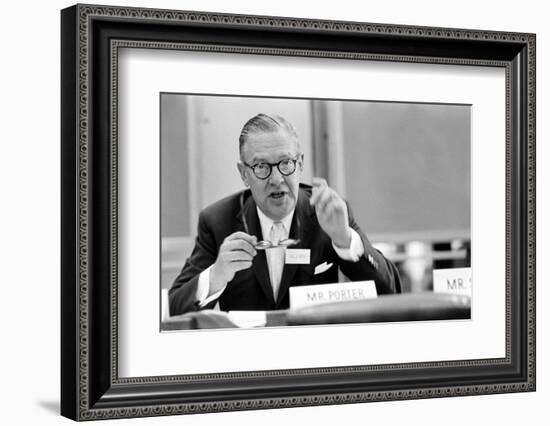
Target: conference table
(426,306)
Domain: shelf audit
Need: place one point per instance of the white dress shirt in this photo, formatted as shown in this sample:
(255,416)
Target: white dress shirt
(352,254)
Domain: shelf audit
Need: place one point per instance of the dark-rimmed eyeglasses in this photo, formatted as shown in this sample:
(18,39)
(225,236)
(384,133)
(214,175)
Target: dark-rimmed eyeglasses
(263,170)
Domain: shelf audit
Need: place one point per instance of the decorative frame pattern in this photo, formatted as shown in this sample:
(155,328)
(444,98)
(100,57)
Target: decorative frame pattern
(91,37)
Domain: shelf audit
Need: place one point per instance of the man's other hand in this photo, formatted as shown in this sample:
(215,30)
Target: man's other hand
(235,254)
(332,212)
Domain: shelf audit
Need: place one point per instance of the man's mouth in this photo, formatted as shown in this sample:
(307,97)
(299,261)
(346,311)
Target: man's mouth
(277,195)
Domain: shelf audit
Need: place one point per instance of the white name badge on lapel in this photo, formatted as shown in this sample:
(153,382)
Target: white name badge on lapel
(297,256)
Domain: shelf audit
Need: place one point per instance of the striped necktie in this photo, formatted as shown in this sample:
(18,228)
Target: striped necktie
(276,257)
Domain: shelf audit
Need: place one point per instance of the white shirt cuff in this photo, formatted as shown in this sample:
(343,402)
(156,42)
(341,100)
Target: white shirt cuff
(203,288)
(355,250)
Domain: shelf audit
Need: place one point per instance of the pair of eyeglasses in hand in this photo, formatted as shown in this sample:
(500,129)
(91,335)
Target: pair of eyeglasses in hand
(266,245)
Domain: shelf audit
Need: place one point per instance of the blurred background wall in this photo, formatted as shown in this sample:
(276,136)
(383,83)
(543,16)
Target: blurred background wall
(404,168)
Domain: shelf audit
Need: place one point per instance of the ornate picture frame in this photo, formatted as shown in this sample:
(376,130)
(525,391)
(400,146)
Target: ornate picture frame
(91,38)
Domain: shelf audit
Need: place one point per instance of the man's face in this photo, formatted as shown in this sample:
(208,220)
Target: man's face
(276,196)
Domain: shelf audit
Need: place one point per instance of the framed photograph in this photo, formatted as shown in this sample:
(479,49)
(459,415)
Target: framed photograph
(263,212)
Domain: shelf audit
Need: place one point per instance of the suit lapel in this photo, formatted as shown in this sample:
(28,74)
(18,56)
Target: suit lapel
(301,228)
(259,263)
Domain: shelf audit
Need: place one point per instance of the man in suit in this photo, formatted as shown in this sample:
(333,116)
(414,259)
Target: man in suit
(229,265)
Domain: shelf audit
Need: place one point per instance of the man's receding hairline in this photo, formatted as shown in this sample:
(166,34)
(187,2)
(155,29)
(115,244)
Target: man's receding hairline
(266,124)
(267,132)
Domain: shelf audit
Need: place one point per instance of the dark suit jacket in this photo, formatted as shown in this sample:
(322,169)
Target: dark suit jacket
(251,289)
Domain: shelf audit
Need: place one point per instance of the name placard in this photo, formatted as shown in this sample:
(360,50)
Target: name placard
(453,280)
(308,295)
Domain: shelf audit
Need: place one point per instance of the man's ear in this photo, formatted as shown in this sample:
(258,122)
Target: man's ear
(301,161)
(242,171)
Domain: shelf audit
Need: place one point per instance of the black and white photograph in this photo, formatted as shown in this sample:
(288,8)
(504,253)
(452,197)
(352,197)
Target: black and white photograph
(303,211)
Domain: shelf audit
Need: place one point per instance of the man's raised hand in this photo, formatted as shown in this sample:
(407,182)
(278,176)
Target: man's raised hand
(332,212)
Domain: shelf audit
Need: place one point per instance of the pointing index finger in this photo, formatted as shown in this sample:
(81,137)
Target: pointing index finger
(318,184)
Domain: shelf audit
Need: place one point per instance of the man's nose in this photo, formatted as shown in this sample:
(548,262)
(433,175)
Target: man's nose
(276,177)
